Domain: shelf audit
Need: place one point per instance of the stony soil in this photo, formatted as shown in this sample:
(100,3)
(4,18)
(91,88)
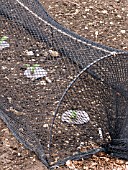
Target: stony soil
(103,21)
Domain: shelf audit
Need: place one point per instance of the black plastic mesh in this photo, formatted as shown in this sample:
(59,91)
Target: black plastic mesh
(60,94)
(100,91)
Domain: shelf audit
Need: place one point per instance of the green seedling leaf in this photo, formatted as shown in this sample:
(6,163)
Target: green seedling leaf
(4,38)
(34,67)
(27,65)
(73,115)
(32,70)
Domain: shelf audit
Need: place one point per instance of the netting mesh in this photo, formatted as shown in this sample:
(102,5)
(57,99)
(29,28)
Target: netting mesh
(100,91)
(60,94)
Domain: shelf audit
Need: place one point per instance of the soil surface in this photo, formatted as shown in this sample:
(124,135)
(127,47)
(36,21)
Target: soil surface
(105,22)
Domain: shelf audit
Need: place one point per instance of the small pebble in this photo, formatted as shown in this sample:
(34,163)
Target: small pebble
(45,125)
(29,53)
(119,16)
(45,54)
(123,31)
(53,53)
(119,161)
(19,154)
(104,11)
(43,82)
(111,23)
(3,67)
(9,99)
(48,80)
(37,55)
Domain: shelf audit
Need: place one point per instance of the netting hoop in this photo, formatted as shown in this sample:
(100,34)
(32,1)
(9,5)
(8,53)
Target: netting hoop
(123,57)
(75,79)
(73,95)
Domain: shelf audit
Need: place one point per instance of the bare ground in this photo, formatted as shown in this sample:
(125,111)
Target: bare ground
(103,21)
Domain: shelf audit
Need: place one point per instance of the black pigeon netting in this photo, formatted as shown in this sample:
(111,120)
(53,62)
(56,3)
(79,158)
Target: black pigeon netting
(63,96)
